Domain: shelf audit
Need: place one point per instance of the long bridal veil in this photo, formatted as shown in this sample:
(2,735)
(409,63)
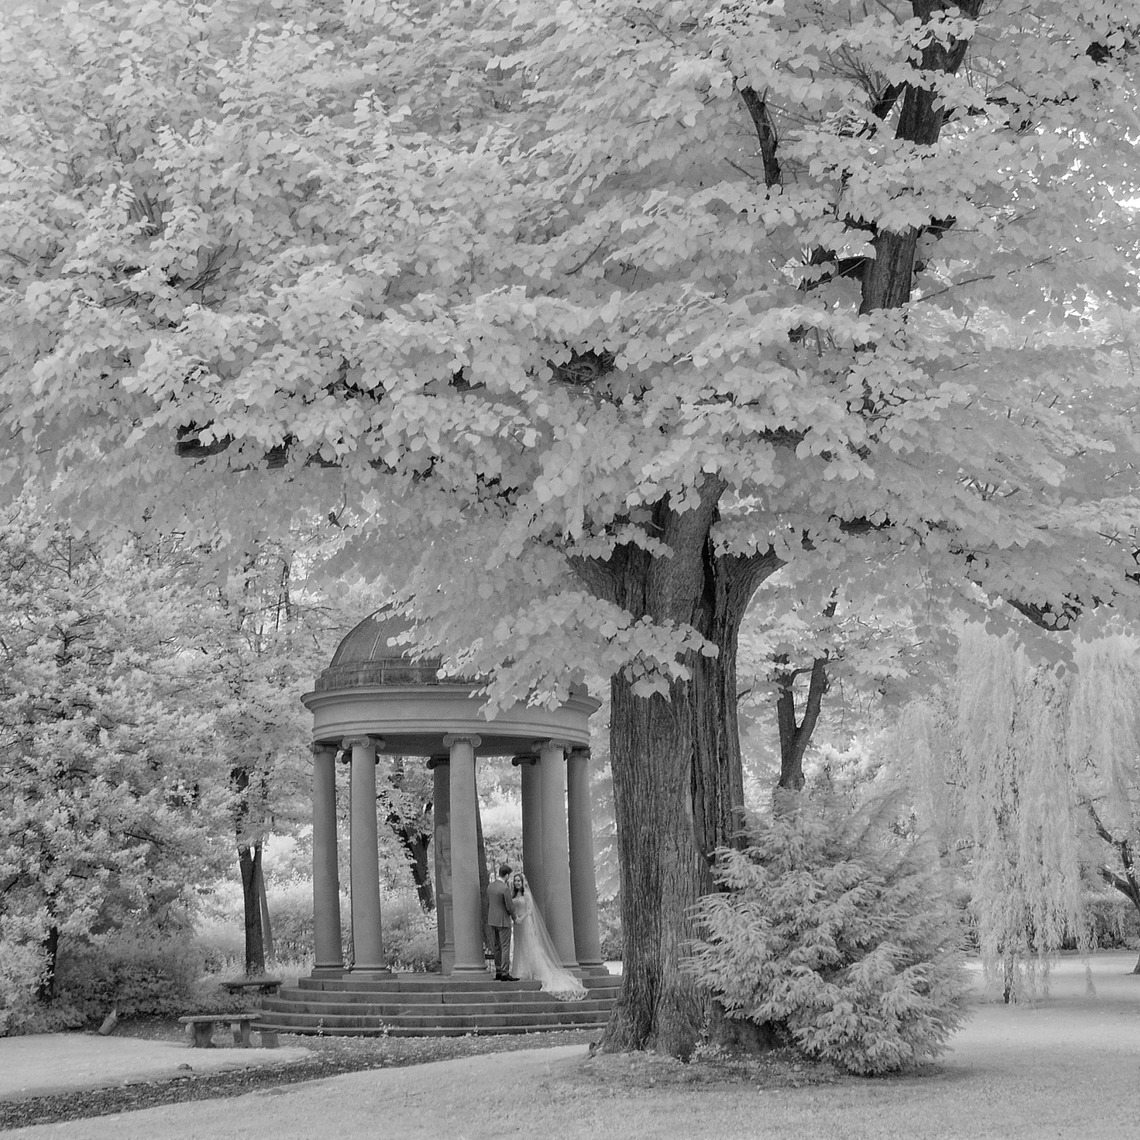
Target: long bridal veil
(534,955)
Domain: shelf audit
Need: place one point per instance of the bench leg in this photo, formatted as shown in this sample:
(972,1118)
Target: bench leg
(203,1034)
(241,1033)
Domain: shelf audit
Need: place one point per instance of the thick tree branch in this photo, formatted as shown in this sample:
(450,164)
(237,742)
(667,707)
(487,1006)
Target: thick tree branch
(888,277)
(765,132)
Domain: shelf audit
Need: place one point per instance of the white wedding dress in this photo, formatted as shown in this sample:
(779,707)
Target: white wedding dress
(533,954)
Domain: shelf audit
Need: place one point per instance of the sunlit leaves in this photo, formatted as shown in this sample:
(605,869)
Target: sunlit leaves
(391,240)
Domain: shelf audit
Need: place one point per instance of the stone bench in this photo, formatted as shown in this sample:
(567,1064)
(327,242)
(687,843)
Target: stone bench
(203,1024)
(261,985)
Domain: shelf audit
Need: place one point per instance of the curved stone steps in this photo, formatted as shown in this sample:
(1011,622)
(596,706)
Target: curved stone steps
(430,1005)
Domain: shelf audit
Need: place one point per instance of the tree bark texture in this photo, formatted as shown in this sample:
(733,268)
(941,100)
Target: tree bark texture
(249,865)
(266,925)
(678,788)
(717,774)
(795,735)
(415,844)
(45,991)
(249,862)
(661,871)
(888,277)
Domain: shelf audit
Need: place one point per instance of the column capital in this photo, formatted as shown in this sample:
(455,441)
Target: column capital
(350,742)
(323,748)
(460,737)
(524,758)
(578,752)
(434,762)
(541,746)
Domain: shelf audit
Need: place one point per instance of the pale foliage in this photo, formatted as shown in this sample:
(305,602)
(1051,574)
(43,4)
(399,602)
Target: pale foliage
(517,270)
(1104,750)
(129,691)
(838,935)
(110,799)
(989,776)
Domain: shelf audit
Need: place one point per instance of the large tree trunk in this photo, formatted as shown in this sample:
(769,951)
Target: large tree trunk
(678,787)
(662,872)
(718,779)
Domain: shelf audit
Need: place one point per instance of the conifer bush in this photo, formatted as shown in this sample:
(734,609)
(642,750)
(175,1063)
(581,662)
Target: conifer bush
(836,936)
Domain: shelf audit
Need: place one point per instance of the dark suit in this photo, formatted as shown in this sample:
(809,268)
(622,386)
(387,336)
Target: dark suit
(499,920)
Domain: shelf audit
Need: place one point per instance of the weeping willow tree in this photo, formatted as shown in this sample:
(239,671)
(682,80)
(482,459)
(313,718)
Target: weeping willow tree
(990,777)
(1104,755)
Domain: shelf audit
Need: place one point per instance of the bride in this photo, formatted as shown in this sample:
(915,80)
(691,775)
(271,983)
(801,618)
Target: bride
(532,953)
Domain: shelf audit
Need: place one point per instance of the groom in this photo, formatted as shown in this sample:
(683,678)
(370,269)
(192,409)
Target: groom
(499,920)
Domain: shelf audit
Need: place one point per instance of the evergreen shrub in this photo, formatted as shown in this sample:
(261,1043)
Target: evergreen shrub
(836,936)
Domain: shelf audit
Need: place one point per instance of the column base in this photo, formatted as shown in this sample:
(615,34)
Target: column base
(594,970)
(328,972)
(469,971)
(367,973)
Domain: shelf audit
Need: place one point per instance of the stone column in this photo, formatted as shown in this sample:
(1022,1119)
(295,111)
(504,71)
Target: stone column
(583,881)
(326,882)
(558,913)
(466,904)
(531,827)
(441,849)
(367,935)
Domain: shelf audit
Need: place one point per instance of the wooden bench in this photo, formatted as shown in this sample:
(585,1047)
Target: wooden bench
(203,1024)
(261,985)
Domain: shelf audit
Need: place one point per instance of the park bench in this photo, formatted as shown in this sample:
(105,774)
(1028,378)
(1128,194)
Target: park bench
(261,985)
(203,1027)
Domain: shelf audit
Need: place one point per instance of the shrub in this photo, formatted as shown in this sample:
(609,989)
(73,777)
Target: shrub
(1113,923)
(133,974)
(609,929)
(835,936)
(291,915)
(221,942)
(22,968)
(410,938)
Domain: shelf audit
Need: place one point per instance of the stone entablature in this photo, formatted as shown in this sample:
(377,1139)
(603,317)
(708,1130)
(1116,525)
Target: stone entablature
(415,718)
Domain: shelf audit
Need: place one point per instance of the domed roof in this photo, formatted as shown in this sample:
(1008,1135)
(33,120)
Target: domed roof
(371,655)
(373,688)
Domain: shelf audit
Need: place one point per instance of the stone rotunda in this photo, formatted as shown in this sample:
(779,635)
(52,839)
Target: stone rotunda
(372,701)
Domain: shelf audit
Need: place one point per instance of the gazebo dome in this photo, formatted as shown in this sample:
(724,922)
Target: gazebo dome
(373,688)
(370,654)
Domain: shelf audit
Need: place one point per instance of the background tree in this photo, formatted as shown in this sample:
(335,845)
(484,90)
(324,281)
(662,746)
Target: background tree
(856,653)
(110,797)
(1104,751)
(405,802)
(596,317)
(993,783)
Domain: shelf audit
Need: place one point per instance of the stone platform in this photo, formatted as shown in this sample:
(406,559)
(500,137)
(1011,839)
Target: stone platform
(430,1005)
